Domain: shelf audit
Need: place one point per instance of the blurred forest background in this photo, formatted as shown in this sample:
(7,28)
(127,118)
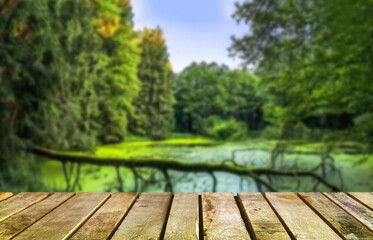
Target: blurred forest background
(89,104)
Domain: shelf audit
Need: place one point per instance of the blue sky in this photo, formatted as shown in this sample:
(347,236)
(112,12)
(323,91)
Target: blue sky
(195,30)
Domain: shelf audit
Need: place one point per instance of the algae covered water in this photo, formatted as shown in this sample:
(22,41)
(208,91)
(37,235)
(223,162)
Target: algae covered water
(350,172)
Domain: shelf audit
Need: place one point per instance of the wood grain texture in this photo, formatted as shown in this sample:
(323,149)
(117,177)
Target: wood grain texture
(21,201)
(343,223)
(5,195)
(63,222)
(183,221)
(106,220)
(363,214)
(364,198)
(146,218)
(300,220)
(20,221)
(222,218)
(263,222)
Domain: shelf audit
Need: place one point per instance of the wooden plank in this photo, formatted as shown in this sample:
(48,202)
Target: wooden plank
(300,221)
(222,218)
(343,223)
(183,221)
(107,219)
(262,221)
(364,198)
(20,221)
(363,214)
(146,218)
(65,220)
(5,195)
(19,202)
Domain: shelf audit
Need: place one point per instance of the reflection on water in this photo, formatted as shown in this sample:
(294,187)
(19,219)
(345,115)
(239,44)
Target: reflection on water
(349,172)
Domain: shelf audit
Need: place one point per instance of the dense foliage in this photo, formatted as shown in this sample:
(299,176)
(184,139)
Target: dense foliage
(154,106)
(316,60)
(68,74)
(208,94)
(119,84)
(75,74)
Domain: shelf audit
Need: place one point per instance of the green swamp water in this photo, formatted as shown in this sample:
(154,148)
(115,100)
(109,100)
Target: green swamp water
(356,170)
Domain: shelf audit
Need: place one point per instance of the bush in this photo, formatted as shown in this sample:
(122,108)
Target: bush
(364,125)
(296,131)
(271,132)
(220,129)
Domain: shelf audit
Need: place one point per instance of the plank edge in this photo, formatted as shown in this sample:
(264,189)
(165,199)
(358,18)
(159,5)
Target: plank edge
(358,200)
(320,215)
(85,219)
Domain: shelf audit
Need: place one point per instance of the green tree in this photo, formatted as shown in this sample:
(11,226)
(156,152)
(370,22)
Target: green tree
(68,75)
(308,55)
(50,60)
(119,84)
(206,93)
(154,107)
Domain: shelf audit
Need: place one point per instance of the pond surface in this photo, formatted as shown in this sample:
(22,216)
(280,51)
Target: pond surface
(355,172)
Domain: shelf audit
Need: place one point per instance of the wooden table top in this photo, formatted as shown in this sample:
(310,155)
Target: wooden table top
(272,216)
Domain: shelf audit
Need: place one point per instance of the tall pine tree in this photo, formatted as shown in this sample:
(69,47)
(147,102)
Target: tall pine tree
(119,84)
(154,106)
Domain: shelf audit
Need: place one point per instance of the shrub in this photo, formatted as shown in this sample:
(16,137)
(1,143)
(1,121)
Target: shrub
(364,125)
(271,132)
(295,131)
(220,129)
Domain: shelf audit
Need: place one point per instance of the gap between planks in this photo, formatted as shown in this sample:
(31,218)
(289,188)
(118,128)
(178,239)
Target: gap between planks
(19,202)
(106,220)
(17,223)
(359,211)
(242,211)
(5,195)
(65,220)
(364,198)
(336,217)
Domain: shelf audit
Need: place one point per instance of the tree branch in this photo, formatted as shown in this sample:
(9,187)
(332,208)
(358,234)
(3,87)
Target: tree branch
(174,164)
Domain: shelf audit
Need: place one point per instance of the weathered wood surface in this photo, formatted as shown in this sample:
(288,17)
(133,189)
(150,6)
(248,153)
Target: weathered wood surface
(299,219)
(183,221)
(5,195)
(21,201)
(187,216)
(363,214)
(19,222)
(105,221)
(343,223)
(262,221)
(364,198)
(146,218)
(62,222)
(222,218)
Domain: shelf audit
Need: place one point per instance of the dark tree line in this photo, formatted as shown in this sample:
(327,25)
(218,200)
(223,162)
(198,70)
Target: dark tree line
(315,59)
(215,101)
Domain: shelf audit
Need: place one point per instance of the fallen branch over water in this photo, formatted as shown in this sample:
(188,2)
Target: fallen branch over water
(183,166)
